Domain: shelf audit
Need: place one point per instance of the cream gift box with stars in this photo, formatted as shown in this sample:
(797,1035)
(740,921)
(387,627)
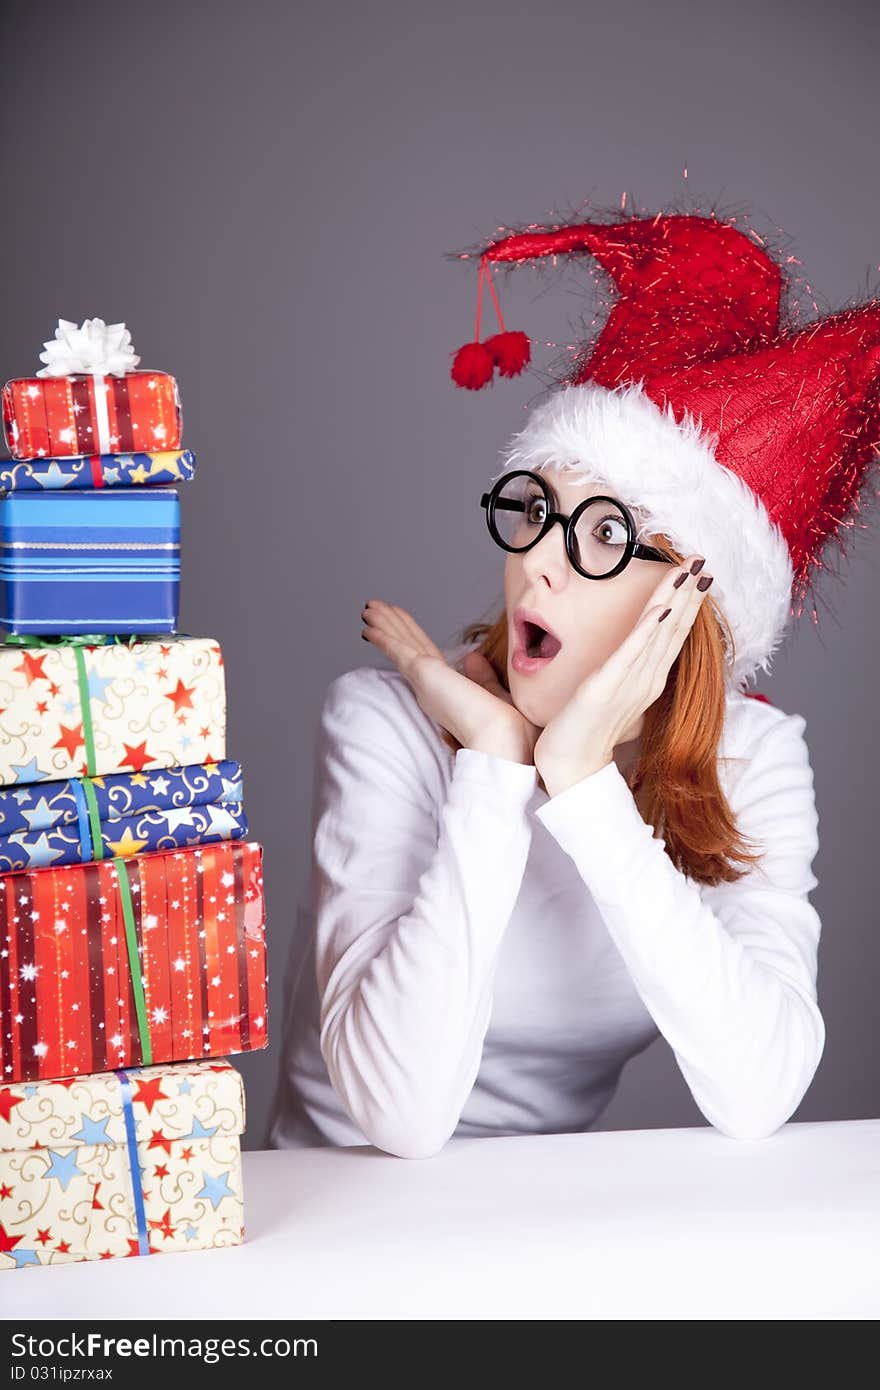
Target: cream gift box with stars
(120,1163)
(74,710)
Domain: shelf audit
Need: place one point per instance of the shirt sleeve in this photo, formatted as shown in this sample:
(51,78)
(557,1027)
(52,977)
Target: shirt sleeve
(412,894)
(728,972)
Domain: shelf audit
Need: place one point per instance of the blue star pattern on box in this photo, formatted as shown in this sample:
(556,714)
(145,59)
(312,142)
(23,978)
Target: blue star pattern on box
(24,1257)
(97,684)
(199,1131)
(39,816)
(97,470)
(39,851)
(63,1168)
(216,1187)
(54,823)
(28,772)
(93,1131)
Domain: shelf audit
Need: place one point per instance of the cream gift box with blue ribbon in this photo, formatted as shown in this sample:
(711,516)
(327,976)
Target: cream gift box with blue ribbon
(135,1162)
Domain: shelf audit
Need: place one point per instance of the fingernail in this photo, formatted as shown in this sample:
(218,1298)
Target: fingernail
(665,614)
(697,566)
(680,580)
(704,583)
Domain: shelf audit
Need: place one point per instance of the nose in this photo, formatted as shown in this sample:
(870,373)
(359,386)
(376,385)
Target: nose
(548,559)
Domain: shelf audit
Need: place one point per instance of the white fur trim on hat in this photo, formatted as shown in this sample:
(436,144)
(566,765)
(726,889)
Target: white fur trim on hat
(667,471)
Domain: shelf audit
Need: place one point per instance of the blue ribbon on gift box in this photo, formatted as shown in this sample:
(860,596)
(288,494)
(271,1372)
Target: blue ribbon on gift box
(134,1163)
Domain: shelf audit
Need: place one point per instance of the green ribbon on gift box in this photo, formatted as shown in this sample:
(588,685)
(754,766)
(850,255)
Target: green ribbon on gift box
(134,959)
(97,845)
(77,641)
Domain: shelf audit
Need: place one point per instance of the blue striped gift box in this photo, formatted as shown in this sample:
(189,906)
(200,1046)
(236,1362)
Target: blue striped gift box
(90,562)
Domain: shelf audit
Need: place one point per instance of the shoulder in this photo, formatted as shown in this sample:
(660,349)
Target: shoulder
(383,696)
(753,728)
(373,712)
(769,782)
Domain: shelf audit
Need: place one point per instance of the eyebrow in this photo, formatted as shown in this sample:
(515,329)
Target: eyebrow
(637,514)
(555,495)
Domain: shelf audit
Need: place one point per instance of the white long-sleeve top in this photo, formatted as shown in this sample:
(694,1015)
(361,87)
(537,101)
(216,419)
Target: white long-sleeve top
(478,958)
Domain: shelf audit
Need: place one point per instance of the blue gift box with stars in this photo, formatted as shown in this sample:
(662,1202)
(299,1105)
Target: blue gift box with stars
(77,821)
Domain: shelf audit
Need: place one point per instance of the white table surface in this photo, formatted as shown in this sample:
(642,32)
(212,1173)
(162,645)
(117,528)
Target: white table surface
(642,1224)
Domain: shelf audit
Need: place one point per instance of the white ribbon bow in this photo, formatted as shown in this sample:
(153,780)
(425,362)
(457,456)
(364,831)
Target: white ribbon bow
(97,348)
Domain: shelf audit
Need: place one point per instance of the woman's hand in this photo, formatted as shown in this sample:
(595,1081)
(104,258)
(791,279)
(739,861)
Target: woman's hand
(607,707)
(474,707)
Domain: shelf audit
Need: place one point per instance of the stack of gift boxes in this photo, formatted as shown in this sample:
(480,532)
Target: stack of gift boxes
(132,947)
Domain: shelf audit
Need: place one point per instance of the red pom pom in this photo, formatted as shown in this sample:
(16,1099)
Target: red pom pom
(473,366)
(510,352)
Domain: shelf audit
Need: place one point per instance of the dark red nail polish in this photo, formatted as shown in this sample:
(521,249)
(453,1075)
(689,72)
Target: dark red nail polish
(680,580)
(704,583)
(665,614)
(697,566)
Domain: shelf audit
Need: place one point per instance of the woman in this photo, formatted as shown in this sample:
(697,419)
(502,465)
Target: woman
(527,867)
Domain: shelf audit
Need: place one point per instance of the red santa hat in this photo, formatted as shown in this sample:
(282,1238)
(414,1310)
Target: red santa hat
(740,438)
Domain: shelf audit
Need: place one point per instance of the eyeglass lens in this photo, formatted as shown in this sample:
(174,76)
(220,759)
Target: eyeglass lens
(600,535)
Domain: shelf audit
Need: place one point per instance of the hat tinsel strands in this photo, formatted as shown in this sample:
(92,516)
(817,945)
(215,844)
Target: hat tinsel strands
(667,267)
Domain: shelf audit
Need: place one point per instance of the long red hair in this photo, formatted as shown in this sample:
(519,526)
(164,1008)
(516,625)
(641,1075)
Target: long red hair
(675,782)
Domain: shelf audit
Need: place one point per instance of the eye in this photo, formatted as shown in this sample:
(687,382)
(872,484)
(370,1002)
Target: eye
(536,509)
(611,530)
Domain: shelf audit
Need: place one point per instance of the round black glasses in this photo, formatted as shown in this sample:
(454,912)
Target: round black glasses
(600,534)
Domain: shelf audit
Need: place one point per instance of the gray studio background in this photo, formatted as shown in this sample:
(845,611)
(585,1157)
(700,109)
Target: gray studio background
(265,193)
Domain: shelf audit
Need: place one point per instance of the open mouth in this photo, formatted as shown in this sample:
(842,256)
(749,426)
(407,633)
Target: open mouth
(539,643)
